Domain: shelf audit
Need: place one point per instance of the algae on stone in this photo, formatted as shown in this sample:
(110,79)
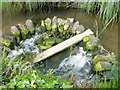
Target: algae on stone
(102,66)
(54,24)
(15,31)
(24,31)
(43,47)
(6,42)
(92,43)
(87,38)
(98,58)
(48,23)
(50,41)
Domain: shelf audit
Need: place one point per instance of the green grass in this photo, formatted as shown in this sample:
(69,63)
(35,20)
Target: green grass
(105,10)
(26,6)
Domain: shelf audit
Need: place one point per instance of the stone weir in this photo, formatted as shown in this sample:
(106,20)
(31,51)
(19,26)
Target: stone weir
(53,35)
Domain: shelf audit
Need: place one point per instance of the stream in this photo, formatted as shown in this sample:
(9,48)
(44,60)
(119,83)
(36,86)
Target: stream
(65,64)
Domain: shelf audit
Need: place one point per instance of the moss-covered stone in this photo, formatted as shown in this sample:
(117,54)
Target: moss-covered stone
(48,23)
(54,24)
(15,31)
(75,25)
(23,30)
(66,24)
(48,27)
(30,26)
(46,36)
(54,27)
(87,38)
(61,29)
(99,58)
(92,44)
(80,29)
(43,47)
(50,41)
(6,42)
(101,66)
(42,23)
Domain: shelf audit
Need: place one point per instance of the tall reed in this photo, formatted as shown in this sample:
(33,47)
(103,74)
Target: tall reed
(105,10)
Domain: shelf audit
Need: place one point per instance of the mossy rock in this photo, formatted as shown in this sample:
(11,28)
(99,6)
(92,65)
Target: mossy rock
(54,24)
(42,23)
(80,29)
(48,23)
(67,24)
(50,41)
(23,29)
(61,29)
(30,26)
(6,42)
(15,31)
(98,58)
(87,38)
(48,27)
(43,47)
(32,31)
(46,36)
(102,66)
(92,44)
(54,27)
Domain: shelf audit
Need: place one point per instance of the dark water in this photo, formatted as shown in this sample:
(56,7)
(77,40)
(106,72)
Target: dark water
(109,38)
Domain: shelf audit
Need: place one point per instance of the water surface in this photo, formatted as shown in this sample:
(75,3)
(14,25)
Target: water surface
(109,38)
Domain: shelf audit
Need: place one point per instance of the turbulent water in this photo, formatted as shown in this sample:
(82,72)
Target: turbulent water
(76,67)
(26,46)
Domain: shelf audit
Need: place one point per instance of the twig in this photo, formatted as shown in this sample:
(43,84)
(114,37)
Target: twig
(107,24)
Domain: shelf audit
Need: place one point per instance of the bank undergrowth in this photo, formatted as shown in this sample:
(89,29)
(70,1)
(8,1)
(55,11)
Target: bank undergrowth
(104,10)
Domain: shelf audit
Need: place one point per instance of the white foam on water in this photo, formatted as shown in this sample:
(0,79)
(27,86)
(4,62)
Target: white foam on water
(27,46)
(78,65)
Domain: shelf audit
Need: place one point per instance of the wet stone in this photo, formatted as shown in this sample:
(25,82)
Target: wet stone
(48,23)
(80,29)
(75,26)
(54,23)
(92,44)
(102,66)
(30,26)
(15,31)
(24,31)
(98,58)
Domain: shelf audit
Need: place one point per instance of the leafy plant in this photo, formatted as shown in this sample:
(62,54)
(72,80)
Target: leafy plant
(16,73)
(33,79)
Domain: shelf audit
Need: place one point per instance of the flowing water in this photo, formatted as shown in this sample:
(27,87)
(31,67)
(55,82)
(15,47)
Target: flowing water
(63,63)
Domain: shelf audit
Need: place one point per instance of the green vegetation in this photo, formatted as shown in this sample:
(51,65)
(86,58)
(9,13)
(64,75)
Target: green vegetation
(105,10)
(17,73)
(105,79)
(26,6)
